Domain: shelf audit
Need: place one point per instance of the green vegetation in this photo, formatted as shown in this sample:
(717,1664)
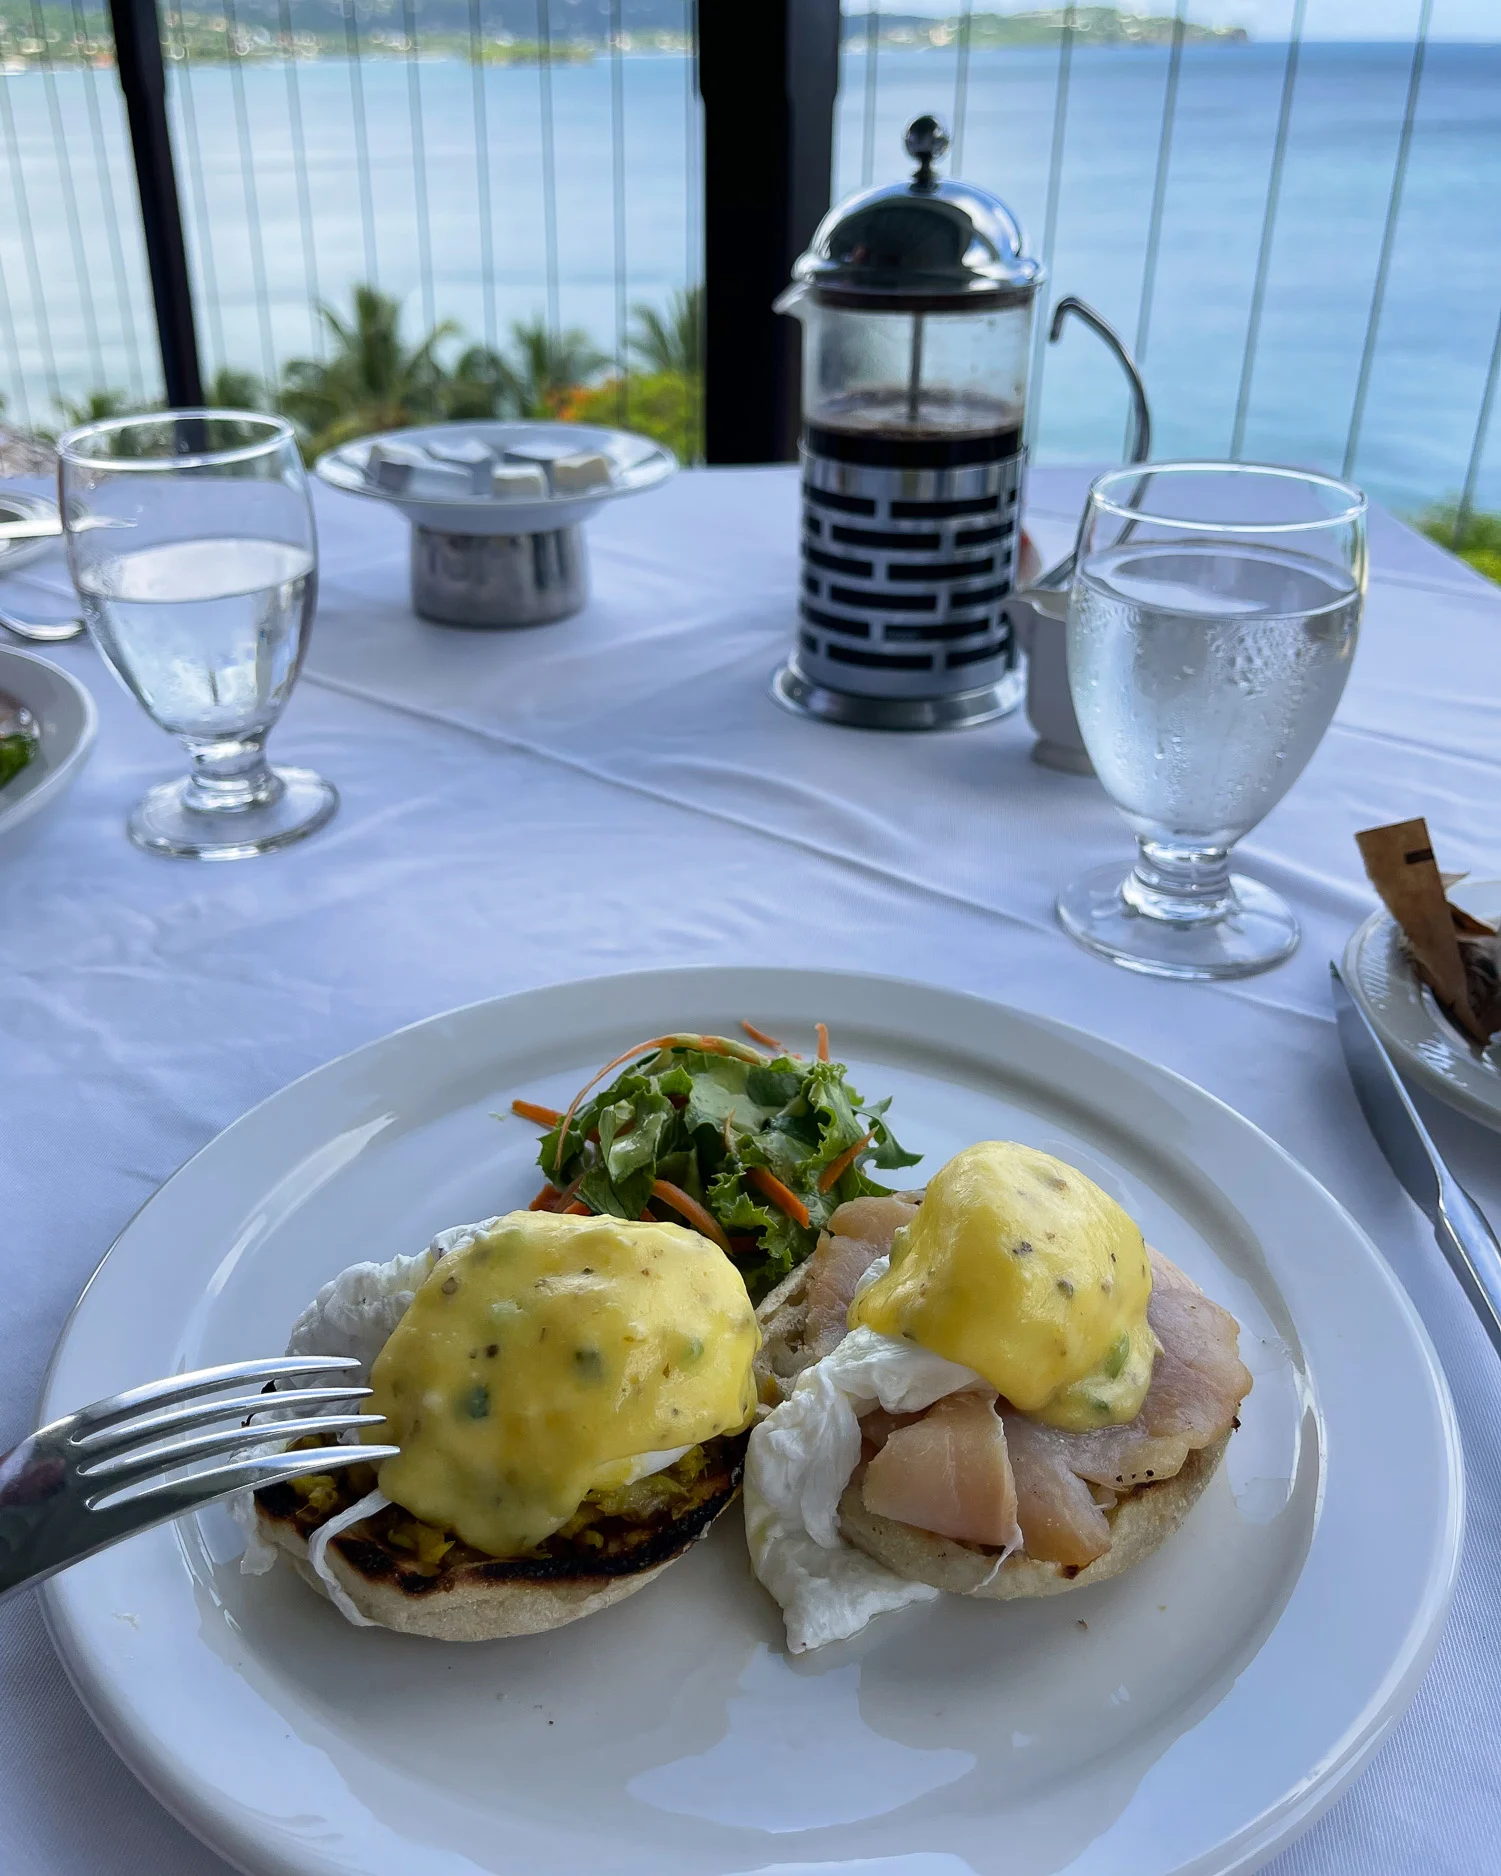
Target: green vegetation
(15,753)
(1478,541)
(1093,25)
(662,394)
(372,379)
(251,31)
(32,36)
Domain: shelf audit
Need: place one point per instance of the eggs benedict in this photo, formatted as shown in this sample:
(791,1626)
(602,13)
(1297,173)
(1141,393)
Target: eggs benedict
(569,1395)
(994,1388)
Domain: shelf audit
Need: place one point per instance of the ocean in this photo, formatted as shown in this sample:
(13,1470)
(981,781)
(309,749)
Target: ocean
(258,245)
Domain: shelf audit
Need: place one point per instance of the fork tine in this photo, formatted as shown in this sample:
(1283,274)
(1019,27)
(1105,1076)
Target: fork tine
(202,1413)
(156,1502)
(182,1387)
(107,1475)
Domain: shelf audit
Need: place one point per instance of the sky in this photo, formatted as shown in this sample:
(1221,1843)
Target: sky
(1269,19)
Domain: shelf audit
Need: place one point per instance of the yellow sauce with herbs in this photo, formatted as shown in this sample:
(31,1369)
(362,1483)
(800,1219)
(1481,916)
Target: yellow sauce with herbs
(558,1355)
(1019,1267)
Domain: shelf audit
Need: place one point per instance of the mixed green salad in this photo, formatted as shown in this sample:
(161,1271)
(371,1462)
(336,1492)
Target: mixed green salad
(15,752)
(753,1147)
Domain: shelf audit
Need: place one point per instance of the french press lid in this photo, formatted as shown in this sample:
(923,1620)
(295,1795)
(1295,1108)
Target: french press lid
(930,245)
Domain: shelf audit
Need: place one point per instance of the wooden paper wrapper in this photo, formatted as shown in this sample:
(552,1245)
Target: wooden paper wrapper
(1400,862)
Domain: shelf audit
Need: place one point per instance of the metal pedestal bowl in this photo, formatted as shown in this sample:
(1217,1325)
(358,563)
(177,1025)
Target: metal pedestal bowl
(487,563)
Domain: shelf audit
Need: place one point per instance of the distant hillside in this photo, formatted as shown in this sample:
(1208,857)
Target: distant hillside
(252,29)
(517,30)
(1099,26)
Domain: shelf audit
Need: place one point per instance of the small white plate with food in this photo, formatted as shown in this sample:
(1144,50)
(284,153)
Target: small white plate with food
(1426,1044)
(39,766)
(1064,1539)
(490,477)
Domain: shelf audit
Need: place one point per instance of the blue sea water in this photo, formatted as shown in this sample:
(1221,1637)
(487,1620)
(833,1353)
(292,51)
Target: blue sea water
(65,324)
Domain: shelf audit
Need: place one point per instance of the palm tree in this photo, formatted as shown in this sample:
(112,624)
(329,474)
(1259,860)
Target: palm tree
(370,381)
(94,406)
(671,342)
(233,389)
(481,384)
(546,367)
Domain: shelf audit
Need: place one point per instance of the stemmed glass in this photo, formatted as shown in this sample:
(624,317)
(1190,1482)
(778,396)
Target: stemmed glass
(191,541)
(1211,626)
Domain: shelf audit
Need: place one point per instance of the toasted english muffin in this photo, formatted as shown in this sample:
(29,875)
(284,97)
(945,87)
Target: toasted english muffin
(468,1596)
(1140,1521)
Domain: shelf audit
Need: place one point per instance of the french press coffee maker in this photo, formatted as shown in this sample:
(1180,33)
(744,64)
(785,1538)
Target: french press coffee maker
(916,301)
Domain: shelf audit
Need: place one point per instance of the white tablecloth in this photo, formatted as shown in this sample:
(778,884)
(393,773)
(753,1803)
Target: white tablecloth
(620,791)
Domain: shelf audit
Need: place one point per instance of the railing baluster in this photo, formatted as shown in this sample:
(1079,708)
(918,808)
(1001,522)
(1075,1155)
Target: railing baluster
(198,188)
(419,167)
(872,45)
(1477,446)
(482,173)
(549,164)
(69,195)
(617,175)
(1388,239)
(135,376)
(1159,183)
(1268,229)
(252,195)
(1050,213)
(300,175)
(28,245)
(18,372)
(361,140)
(961,84)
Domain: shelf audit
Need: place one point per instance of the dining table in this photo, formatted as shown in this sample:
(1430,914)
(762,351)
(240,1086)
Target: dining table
(621,791)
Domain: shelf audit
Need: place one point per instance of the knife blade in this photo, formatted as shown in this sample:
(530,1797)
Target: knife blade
(1459,1226)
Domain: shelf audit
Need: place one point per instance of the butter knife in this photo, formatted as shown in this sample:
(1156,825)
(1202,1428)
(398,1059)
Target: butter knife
(1459,1225)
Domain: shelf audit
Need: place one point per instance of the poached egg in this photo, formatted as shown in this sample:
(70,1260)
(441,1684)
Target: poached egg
(1017,1278)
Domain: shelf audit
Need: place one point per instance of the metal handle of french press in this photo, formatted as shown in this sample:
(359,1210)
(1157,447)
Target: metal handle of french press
(1140,447)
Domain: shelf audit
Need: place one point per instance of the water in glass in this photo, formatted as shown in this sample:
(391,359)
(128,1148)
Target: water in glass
(206,633)
(191,541)
(1204,675)
(1212,624)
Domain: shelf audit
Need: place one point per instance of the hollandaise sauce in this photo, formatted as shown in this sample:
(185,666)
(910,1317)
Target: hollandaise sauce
(1019,1267)
(558,1356)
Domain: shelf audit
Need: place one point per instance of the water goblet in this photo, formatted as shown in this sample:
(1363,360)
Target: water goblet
(191,541)
(1211,626)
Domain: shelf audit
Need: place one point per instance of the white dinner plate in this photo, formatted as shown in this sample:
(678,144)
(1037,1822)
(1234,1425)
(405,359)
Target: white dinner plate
(1191,1716)
(1426,1044)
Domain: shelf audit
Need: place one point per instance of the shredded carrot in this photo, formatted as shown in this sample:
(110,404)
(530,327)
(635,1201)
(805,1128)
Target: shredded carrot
(711,1045)
(529,1110)
(823,1041)
(545,1199)
(701,1220)
(578,1209)
(760,1035)
(783,1197)
(837,1168)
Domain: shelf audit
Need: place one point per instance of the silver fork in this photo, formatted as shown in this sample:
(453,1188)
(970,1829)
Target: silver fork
(98,1475)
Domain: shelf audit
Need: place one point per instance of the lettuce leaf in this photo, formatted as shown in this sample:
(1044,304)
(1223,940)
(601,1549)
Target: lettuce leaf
(703,1121)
